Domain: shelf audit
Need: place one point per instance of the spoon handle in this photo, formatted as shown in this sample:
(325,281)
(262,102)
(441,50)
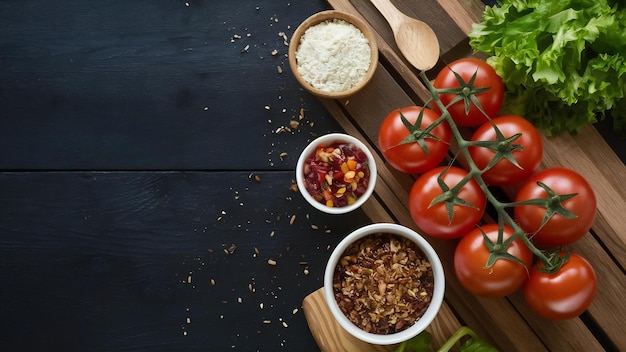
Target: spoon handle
(393,16)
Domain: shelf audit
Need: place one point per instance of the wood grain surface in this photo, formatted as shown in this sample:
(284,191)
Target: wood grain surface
(506,322)
(130,215)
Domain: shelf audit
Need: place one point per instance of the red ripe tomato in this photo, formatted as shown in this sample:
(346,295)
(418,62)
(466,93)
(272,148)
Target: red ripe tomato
(559,230)
(410,157)
(502,278)
(433,219)
(504,172)
(565,294)
(485,77)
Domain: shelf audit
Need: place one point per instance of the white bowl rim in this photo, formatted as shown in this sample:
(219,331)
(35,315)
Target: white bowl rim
(325,139)
(428,316)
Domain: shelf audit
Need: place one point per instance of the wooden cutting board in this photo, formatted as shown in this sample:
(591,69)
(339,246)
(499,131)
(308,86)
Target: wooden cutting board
(507,322)
(327,332)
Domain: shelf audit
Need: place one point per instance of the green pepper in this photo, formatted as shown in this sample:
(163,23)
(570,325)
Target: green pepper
(421,343)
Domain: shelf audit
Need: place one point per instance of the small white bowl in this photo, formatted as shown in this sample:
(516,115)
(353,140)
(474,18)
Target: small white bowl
(328,139)
(423,322)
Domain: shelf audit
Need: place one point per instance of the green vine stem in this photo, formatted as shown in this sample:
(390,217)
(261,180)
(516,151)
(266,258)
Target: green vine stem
(550,261)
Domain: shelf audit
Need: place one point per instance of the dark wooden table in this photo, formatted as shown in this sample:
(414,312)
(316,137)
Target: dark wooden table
(132,139)
(146,159)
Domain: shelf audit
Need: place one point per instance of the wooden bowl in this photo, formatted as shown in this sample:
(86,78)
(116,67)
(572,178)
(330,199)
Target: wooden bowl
(330,16)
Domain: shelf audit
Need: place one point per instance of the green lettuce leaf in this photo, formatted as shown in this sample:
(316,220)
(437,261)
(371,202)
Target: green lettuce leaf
(563,62)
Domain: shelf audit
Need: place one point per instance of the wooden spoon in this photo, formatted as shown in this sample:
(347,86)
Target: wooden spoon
(415,39)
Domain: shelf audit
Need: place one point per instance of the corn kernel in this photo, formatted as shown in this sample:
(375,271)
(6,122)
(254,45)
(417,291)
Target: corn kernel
(344,167)
(349,176)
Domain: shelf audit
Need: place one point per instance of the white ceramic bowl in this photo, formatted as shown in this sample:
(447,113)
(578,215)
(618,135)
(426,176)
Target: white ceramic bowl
(328,139)
(422,323)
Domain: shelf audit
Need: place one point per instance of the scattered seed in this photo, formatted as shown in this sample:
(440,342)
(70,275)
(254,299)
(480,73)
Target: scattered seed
(188,320)
(295,310)
(314,227)
(306,271)
(212,282)
(256,250)
(189,279)
(261,305)
(245,49)
(294,124)
(272,233)
(285,324)
(274,52)
(279,69)
(301,115)
(267,321)
(283,155)
(292,220)
(271,262)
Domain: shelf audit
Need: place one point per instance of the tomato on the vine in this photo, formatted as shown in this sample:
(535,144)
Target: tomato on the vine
(398,143)
(564,294)
(505,275)
(468,205)
(522,142)
(573,202)
(481,82)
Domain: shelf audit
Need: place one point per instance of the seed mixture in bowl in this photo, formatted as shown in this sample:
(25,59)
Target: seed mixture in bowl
(383,283)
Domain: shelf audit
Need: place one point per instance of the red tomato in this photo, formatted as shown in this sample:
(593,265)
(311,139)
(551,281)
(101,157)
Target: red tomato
(409,157)
(559,230)
(504,172)
(504,277)
(486,77)
(433,219)
(565,294)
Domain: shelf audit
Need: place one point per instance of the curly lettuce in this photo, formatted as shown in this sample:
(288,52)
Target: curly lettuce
(563,62)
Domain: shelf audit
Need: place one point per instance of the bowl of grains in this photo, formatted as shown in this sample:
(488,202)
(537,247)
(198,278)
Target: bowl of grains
(333,54)
(336,173)
(384,283)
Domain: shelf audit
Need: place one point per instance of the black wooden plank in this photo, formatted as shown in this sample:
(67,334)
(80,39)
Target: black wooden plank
(100,261)
(150,84)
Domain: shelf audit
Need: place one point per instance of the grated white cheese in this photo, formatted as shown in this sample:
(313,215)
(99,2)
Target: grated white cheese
(333,56)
